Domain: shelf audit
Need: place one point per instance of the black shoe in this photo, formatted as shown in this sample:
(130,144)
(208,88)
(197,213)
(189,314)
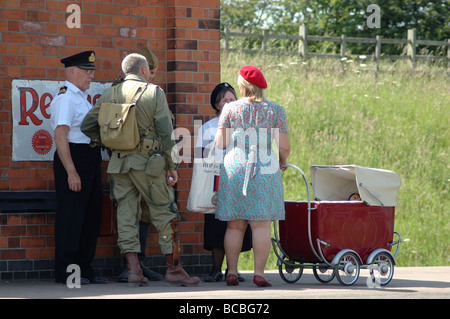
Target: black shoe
(83,281)
(150,274)
(123,277)
(97,280)
(215,275)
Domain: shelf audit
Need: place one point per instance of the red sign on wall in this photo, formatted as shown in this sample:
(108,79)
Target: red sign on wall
(32,132)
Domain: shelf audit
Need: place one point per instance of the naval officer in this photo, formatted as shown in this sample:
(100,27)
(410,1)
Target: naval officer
(77,170)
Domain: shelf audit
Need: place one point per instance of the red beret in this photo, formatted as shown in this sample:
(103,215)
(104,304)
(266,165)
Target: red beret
(253,75)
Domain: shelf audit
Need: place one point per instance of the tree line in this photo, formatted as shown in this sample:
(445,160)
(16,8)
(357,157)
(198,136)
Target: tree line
(355,18)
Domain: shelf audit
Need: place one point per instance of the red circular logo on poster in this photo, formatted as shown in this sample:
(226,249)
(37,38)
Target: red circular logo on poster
(42,142)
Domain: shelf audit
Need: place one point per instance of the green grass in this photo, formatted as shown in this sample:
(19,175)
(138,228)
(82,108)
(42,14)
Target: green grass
(399,122)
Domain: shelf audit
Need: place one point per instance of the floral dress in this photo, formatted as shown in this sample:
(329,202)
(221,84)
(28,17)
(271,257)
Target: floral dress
(250,184)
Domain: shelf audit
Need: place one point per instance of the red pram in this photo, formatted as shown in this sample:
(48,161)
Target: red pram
(349,226)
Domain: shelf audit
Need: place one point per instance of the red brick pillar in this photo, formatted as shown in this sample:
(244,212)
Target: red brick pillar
(34,36)
(193,70)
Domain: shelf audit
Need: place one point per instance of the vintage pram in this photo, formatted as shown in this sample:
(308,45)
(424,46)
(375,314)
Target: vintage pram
(349,226)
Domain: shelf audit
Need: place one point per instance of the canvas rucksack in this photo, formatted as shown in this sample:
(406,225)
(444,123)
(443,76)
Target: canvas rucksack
(118,126)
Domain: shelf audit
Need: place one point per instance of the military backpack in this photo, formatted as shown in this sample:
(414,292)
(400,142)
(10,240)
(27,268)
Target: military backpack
(117,122)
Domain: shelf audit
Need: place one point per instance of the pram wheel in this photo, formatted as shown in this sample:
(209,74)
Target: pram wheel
(290,271)
(324,274)
(347,269)
(382,268)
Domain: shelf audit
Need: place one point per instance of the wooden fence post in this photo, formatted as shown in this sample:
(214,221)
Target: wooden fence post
(227,39)
(378,54)
(448,56)
(343,45)
(265,37)
(303,43)
(412,47)
(264,45)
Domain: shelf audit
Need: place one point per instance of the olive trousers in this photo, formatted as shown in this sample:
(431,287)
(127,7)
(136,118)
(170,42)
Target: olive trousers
(128,189)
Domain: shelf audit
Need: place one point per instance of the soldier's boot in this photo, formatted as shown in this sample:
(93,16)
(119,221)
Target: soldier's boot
(175,274)
(135,276)
(147,272)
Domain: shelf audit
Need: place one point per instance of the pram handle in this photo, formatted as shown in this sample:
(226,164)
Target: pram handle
(309,208)
(304,178)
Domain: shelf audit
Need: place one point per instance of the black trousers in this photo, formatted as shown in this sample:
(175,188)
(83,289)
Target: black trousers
(78,214)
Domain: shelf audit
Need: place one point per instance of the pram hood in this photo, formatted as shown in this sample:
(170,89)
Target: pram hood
(376,187)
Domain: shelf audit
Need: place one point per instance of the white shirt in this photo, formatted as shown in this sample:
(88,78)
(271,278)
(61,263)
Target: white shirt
(206,135)
(69,109)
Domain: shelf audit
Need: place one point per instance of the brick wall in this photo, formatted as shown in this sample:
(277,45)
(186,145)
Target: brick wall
(34,36)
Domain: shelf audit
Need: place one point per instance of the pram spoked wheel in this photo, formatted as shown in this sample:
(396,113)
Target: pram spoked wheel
(382,268)
(324,274)
(290,271)
(347,268)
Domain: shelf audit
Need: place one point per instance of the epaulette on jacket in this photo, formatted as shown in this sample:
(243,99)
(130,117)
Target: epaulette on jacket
(62,90)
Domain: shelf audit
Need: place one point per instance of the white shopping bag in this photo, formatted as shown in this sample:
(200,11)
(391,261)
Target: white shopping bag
(205,183)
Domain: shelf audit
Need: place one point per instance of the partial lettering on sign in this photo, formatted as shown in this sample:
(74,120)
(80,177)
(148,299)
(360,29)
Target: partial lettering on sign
(33,136)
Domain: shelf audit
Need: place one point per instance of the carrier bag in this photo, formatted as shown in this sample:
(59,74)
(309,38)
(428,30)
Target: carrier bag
(204,185)
(118,126)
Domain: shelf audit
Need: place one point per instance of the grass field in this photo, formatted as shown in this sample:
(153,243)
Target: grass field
(397,121)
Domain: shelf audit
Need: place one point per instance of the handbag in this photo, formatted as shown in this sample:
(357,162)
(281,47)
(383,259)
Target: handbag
(204,185)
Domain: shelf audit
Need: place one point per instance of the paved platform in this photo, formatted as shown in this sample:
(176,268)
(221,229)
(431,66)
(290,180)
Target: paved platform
(407,283)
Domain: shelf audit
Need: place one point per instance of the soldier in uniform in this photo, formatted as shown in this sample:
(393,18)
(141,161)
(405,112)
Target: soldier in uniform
(148,172)
(77,173)
(153,63)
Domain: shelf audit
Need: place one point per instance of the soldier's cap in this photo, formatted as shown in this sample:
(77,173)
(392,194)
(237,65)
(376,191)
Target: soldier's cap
(83,60)
(150,56)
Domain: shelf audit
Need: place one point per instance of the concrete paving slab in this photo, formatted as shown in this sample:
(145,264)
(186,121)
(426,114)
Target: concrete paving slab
(407,283)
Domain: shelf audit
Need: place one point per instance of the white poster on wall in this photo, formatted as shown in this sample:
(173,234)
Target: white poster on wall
(33,136)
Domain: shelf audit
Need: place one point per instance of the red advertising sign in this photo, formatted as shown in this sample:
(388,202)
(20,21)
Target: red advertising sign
(32,132)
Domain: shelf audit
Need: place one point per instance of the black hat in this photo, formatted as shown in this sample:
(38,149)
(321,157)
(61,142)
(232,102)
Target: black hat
(83,60)
(219,88)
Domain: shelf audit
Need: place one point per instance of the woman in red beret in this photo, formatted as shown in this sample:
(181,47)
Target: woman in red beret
(250,184)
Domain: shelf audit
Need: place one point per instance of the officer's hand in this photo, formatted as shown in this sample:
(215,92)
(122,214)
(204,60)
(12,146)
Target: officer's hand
(74,182)
(171,177)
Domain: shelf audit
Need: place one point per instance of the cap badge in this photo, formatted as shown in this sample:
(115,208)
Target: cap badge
(62,90)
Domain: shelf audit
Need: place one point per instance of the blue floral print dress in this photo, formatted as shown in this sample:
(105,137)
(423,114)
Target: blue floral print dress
(250,184)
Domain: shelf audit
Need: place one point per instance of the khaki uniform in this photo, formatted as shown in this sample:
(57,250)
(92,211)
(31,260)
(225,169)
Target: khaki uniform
(143,172)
